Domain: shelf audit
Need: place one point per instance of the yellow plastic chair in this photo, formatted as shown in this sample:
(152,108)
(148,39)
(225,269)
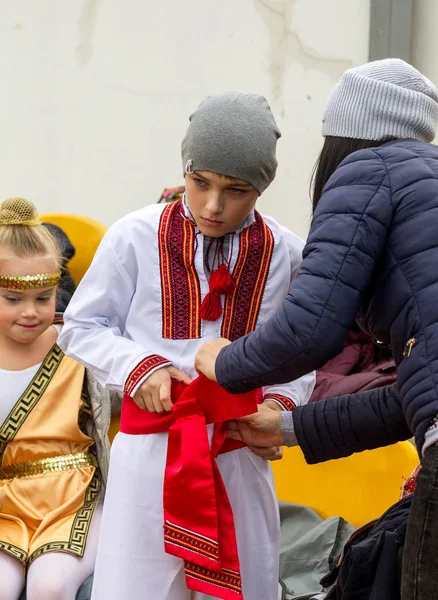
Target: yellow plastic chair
(114,428)
(85,235)
(358,488)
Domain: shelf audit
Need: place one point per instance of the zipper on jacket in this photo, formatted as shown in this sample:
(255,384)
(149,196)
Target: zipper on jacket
(408,348)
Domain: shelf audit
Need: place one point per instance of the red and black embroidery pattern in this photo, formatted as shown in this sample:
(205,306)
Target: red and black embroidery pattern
(142,369)
(193,541)
(180,290)
(226,579)
(256,245)
(285,402)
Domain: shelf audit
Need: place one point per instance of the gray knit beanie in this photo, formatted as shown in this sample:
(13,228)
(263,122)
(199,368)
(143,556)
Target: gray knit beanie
(234,135)
(382,99)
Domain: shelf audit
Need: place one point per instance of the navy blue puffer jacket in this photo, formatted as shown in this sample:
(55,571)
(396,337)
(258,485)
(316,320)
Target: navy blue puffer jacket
(372,254)
(340,426)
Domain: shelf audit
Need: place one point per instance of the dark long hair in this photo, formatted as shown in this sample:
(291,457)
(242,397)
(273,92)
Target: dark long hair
(333,152)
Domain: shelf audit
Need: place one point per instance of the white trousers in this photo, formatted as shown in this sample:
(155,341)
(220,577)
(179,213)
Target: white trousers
(131,563)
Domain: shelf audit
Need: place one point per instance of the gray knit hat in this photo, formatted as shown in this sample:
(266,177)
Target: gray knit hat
(384,98)
(235,135)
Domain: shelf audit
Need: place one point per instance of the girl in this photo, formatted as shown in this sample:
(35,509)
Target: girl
(53,429)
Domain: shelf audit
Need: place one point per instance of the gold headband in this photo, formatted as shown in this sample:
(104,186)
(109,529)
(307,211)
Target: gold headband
(29,282)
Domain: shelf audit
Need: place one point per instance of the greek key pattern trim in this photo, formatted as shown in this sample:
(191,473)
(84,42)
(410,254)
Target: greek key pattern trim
(80,528)
(30,398)
(14,551)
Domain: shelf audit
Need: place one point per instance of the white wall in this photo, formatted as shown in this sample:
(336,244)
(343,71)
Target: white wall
(96,94)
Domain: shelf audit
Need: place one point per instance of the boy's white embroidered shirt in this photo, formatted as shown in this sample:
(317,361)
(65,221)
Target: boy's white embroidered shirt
(137,307)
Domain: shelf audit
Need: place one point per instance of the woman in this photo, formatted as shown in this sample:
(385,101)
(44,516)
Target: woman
(372,253)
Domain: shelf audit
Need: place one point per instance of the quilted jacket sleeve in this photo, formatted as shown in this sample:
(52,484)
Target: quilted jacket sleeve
(340,426)
(346,239)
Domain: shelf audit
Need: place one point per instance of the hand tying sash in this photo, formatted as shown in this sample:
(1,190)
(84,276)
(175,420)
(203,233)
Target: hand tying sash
(198,519)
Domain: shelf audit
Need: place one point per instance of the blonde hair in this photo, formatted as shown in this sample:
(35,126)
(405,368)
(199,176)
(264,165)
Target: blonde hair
(21,231)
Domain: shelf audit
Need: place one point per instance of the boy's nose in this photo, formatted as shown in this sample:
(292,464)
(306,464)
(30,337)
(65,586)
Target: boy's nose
(214,204)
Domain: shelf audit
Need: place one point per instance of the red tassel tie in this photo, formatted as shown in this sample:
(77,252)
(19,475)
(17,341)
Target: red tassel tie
(221,282)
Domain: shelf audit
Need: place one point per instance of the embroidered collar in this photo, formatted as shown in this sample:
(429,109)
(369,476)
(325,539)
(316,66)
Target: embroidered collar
(250,219)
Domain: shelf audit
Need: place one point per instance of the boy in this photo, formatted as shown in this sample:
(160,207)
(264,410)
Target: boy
(164,280)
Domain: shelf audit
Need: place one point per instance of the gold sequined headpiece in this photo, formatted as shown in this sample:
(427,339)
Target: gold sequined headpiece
(29,282)
(18,211)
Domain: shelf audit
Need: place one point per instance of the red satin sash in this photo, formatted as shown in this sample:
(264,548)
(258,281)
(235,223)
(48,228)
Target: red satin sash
(198,519)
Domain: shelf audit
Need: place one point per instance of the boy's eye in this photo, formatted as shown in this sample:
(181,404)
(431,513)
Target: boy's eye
(12,298)
(236,190)
(44,298)
(199,182)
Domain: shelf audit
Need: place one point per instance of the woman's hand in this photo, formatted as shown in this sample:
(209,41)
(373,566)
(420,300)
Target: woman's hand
(154,394)
(205,359)
(260,430)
